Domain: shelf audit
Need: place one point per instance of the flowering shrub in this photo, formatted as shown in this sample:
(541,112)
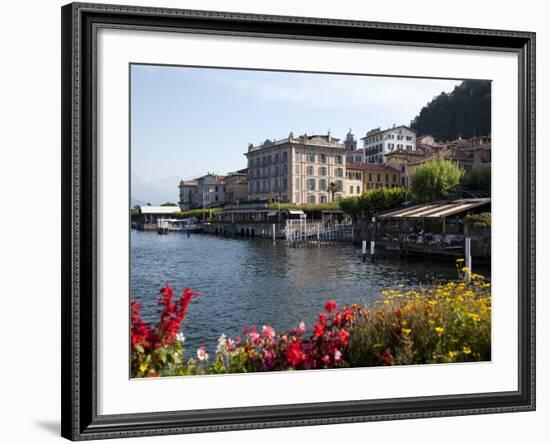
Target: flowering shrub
(158,351)
(450,322)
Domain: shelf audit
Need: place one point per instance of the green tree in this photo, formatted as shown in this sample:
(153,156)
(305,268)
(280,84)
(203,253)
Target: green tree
(372,202)
(169,204)
(465,112)
(436,180)
(333,188)
(477,180)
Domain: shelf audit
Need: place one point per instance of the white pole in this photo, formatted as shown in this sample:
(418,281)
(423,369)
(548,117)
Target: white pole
(468,254)
(364,250)
(273,232)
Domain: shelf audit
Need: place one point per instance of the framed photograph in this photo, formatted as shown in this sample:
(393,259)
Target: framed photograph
(274,221)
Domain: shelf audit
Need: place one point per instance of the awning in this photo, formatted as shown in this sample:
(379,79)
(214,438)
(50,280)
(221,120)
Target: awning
(436,209)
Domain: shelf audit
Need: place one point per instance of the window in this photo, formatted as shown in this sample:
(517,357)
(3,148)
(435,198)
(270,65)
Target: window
(311,157)
(309,170)
(339,172)
(285,183)
(338,159)
(351,189)
(399,146)
(358,189)
(409,147)
(298,169)
(340,185)
(285,156)
(370,177)
(392,136)
(275,185)
(394,178)
(276,171)
(400,137)
(378,177)
(297,184)
(276,157)
(298,157)
(285,169)
(322,171)
(297,198)
(322,185)
(409,138)
(311,184)
(323,158)
(387,177)
(323,199)
(258,187)
(311,199)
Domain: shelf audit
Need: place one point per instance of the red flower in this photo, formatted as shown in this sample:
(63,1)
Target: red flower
(343,335)
(330,306)
(294,354)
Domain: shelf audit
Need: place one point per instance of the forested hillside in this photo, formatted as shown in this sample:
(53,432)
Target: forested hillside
(465,112)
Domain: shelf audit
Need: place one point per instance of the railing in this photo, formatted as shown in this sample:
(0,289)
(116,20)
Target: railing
(303,231)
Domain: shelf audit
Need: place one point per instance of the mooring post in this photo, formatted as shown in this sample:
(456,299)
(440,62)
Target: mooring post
(364,250)
(273,232)
(468,257)
(372,251)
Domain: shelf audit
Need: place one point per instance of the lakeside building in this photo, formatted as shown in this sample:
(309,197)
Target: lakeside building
(354,185)
(210,190)
(236,186)
(377,176)
(149,214)
(188,194)
(297,169)
(378,143)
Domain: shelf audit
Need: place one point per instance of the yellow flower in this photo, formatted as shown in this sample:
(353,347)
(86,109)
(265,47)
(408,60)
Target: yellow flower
(464,269)
(143,367)
(431,321)
(460,260)
(432,302)
(407,331)
(386,302)
(439,330)
(474,317)
(466,350)
(452,354)
(404,323)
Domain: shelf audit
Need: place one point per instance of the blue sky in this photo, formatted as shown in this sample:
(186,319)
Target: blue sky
(188,121)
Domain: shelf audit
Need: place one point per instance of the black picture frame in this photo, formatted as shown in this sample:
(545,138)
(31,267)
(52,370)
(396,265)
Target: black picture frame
(80,420)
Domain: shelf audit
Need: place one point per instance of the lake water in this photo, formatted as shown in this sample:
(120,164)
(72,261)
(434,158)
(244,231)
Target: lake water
(255,282)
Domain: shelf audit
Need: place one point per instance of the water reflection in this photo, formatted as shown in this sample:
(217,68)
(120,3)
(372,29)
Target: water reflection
(256,282)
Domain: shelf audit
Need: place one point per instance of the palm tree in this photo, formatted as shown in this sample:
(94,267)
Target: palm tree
(333,188)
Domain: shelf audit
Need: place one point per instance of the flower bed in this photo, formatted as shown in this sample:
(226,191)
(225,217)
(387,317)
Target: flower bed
(449,322)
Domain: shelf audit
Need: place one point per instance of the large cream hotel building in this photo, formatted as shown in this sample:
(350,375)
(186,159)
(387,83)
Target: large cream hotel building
(297,169)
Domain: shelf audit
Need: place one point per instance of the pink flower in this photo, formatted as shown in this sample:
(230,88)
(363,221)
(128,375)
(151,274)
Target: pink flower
(337,355)
(201,353)
(255,337)
(302,328)
(268,332)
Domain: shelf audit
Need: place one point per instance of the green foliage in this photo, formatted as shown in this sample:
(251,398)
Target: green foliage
(436,180)
(465,112)
(480,220)
(373,201)
(169,204)
(477,180)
